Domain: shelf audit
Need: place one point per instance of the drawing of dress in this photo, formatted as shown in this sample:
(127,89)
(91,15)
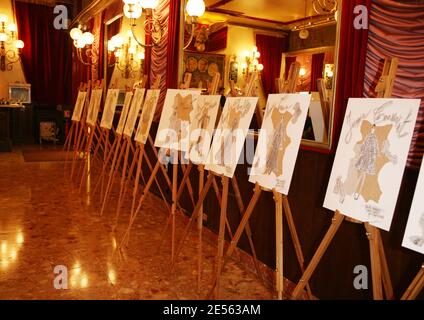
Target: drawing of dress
(180,118)
(368,154)
(146,115)
(203,119)
(419,240)
(278,143)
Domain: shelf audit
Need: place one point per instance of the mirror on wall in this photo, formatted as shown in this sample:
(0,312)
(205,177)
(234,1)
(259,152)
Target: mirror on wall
(231,35)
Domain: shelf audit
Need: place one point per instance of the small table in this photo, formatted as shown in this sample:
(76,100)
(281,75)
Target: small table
(5,126)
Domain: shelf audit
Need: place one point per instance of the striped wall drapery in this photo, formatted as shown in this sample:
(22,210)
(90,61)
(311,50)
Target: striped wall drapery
(396,29)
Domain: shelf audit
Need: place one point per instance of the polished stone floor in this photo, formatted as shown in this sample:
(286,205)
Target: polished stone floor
(45,222)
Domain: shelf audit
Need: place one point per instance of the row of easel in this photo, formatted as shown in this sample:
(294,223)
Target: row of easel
(92,142)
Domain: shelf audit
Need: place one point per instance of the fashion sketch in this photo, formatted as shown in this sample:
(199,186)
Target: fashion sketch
(207,108)
(79,106)
(418,240)
(109,109)
(93,110)
(230,121)
(134,111)
(371,155)
(124,113)
(146,117)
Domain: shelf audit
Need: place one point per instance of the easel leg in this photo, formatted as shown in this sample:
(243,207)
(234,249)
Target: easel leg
(279,244)
(200,229)
(221,235)
(85,172)
(107,156)
(375,261)
(335,225)
(415,287)
(296,241)
(174,205)
(240,230)
(385,273)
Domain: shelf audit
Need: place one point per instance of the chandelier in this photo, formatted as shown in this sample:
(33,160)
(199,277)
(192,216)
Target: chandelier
(133,9)
(128,56)
(8,37)
(83,43)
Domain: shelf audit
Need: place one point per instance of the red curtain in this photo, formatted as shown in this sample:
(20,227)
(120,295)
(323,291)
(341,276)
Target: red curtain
(397,30)
(46,57)
(351,63)
(173,44)
(271,49)
(316,69)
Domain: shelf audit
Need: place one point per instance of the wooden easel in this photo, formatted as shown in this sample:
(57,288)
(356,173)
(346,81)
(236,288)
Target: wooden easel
(102,142)
(72,135)
(90,132)
(289,85)
(415,287)
(124,241)
(379,268)
(239,201)
(223,203)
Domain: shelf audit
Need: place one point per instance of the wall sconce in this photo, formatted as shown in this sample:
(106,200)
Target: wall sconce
(251,62)
(83,41)
(128,56)
(328,75)
(194,9)
(133,9)
(302,73)
(8,36)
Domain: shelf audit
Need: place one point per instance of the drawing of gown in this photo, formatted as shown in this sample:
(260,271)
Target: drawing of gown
(202,124)
(146,117)
(368,154)
(419,240)
(233,119)
(278,144)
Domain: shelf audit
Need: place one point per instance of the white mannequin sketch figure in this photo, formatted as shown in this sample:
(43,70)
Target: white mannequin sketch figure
(230,123)
(201,119)
(419,240)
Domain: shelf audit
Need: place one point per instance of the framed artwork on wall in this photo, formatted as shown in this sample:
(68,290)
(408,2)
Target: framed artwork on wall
(203,67)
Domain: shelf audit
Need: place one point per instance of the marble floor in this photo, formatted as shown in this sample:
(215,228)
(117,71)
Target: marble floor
(45,222)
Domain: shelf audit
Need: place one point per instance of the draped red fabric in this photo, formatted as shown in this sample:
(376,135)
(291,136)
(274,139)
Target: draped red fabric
(316,69)
(397,30)
(271,49)
(289,61)
(173,44)
(46,55)
(351,63)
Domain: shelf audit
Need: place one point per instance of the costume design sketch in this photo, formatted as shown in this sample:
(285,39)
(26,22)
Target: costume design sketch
(79,106)
(201,127)
(94,106)
(135,108)
(414,233)
(109,109)
(124,113)
(173,131)
(147,114)
(279,140)
(230,135)
(370,159)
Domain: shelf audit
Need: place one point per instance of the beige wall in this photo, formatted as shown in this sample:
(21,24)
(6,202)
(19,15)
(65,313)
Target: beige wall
(16,74)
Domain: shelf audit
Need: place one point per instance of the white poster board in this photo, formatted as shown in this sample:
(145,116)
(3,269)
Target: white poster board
(79,106)
(414,232)
(201,128)
(146,118)
(173,131)
(279,141)
(136,103)
(109,109)
(94,106)
(370,159)
(231,133)
(124,113)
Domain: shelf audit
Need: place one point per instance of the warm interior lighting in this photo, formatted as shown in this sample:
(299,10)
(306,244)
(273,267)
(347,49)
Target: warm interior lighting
(19,44)
(12,27)
(87,38)
(149,4)
(3,37)
(133,11)
(3,18)
(195,8)
(302,71)
(75,33)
